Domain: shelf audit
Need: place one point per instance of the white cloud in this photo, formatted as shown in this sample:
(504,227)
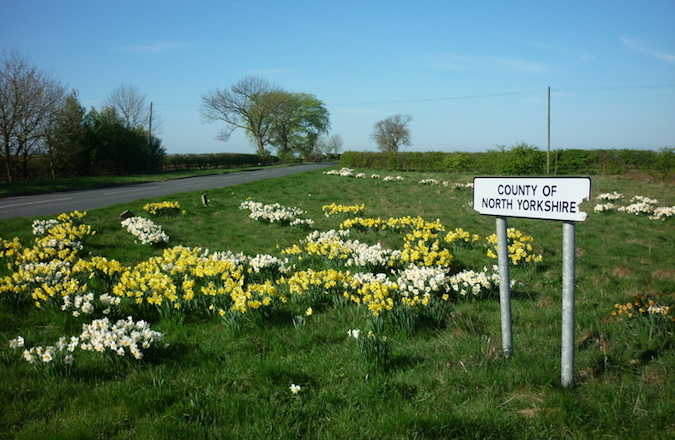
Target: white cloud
(638,46)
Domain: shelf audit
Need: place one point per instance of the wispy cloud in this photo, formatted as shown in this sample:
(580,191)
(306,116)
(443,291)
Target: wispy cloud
(154,47)
(442,60)
(563,50)
(263,72)
(519,64)
(640,47)
(450,61)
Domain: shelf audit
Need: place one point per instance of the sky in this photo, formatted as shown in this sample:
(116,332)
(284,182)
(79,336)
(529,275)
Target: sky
(474,75)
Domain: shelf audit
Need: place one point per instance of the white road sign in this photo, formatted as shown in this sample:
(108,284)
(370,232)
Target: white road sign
(546,198)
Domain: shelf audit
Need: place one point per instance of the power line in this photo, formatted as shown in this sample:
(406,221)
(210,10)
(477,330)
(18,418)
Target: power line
(494,95)
(404,101)
(489,95)
(603,89)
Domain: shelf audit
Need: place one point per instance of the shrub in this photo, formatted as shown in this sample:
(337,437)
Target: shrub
(522,159)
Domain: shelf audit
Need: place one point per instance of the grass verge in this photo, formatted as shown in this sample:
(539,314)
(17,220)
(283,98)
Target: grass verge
(435,376)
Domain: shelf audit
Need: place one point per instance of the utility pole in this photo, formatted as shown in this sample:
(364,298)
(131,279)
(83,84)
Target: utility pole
(548,142)
(150,127)
(150,139)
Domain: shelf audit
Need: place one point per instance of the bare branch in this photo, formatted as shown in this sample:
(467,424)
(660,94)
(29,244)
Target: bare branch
(130,106)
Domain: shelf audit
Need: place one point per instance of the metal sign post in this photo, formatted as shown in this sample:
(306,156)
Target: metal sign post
(568,279)
(537,198)
(504,287)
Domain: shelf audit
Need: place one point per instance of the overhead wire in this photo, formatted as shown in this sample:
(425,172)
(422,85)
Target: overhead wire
(494,95)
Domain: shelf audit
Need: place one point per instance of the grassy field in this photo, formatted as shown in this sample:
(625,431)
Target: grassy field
(290,366)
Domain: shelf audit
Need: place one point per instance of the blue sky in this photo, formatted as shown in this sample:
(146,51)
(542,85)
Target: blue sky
(473,75)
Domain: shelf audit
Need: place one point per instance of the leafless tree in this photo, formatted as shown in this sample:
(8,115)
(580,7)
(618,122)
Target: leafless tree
(331,144)
(29,102)
(250,104)
(392,132)
(129,104)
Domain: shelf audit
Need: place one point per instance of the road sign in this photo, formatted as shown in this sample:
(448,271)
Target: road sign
(546,198)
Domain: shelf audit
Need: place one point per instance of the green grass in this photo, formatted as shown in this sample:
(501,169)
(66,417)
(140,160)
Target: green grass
(447,380)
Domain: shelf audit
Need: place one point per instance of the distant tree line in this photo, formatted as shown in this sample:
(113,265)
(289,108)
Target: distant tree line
(46,132)
(520,159)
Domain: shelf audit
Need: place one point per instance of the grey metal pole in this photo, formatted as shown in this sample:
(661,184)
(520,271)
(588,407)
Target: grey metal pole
(548,135)
(504,286)
(569,251)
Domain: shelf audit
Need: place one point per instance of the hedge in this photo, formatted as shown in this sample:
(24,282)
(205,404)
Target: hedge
(520,159)
(175,162)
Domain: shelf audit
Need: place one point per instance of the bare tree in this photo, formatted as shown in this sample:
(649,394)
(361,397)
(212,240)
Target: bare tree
(129,104)
(331,144)
(392,132)
(29,102)
(250,104)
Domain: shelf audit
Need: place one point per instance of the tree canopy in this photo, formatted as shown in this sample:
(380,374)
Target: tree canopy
(300,120)
(270,116)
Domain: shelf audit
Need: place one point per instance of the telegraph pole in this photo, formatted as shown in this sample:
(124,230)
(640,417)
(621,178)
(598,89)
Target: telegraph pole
(150,126)
(548,142)
(150,139)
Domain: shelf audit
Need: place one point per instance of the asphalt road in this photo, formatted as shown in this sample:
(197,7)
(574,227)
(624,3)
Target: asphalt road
(56,203)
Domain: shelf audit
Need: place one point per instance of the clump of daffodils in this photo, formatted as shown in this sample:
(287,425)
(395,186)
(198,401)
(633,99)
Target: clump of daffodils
(126,336)
(145,230)
(334,209)
(394,179)
(457,185)
(375,291)
(88,302)
(276,213)
(609,196)
(460,237)
(604,207)
(421,242)
(640,205)
(663,213)
(59,238)
(644,306)
(344,172)
(419,284)
(470,283)
(162,208)
(335,247)
(520,247)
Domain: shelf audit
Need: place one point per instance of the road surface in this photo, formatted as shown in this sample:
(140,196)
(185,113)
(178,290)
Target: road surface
(56,203)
